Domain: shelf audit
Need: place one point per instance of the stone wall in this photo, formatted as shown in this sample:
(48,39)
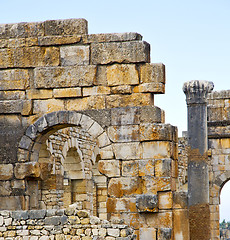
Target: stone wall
(59,225)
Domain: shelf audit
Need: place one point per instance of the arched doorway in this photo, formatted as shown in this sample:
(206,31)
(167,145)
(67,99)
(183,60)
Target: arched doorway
(71,144)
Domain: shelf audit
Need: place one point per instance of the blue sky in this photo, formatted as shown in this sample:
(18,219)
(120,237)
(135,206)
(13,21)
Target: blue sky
(192,38)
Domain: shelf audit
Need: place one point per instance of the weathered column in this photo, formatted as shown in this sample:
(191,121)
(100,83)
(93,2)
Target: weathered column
(198,178)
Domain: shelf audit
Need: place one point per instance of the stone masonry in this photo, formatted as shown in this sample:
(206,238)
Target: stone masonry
(84,152)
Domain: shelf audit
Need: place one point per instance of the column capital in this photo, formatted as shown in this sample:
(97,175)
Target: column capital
(196,91)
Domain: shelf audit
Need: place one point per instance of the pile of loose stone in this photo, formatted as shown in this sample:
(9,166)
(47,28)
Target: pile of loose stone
(68,224)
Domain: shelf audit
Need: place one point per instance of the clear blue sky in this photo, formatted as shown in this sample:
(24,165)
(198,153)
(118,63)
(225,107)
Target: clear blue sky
(192,38)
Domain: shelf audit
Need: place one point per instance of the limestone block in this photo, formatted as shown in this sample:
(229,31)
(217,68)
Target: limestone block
(5,188)
(152,73)
(20,215)
(103,140)
(16,106)
(34,57)
(95,130)
(74,55)
(146,168)
(16,30)
(153,131)
(39,94)
(113,232)
(121,205)
(148,233)
(124,186)
(18,184)
(29,169)
(165,200)
(58,40)
(120,52)
(151,185)
(98,90)
(22,42)
(110,168)
(12,95)
(180,200)
(125,116)
(151,114)
(130,168)
(37,214)
(112,37)
(46,106)
(160,220)
(127,133)
(122,89)
(147,203)
(107,152)
(74,117)
(125,151)
(5,58)
(157,149)
(129,100)
(165,234)
(66,27)
(122,74)
(15,79)
(12,203)
(181,224)
(163,168)
(67,92)
(6,171)
(86,122)
(64,76)
(149,87)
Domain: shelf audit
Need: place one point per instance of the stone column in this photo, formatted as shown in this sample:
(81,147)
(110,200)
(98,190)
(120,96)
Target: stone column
(198,176)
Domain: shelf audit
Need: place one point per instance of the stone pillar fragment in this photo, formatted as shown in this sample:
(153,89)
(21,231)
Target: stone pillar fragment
(198,179)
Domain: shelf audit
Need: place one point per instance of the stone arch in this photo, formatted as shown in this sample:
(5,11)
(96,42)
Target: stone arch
(35,135)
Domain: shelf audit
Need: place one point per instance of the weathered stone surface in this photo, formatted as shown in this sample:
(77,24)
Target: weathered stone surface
(58,40)
(129,100)
(110,168)
(32,29)
(6,171)
(64,76)
(152,73)
(98,90)
(46,106)
(163,168)
(122,89)
(112,37)
(181,224)
(14,79)
(157,149)
(147,203)
(29,57)
(165,234)
(151,185)
(160,220)
(122,74)
(39,94)
(124,186)
(148,233)
(29,169)
(120,52)
(126,151)
(151,114)
(86,103)
(66,27)
(127,133)
(146,167)
(67,92)
(163,132)
(125,116)
(130,168)
(12,95)
(12,203)
(74,55)
(5,188)
(149,87)
(37,214)
(121,205)
(165,200)
(20,215)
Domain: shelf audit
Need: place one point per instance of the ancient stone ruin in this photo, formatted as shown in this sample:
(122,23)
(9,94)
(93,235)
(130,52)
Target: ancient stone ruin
(84,152)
